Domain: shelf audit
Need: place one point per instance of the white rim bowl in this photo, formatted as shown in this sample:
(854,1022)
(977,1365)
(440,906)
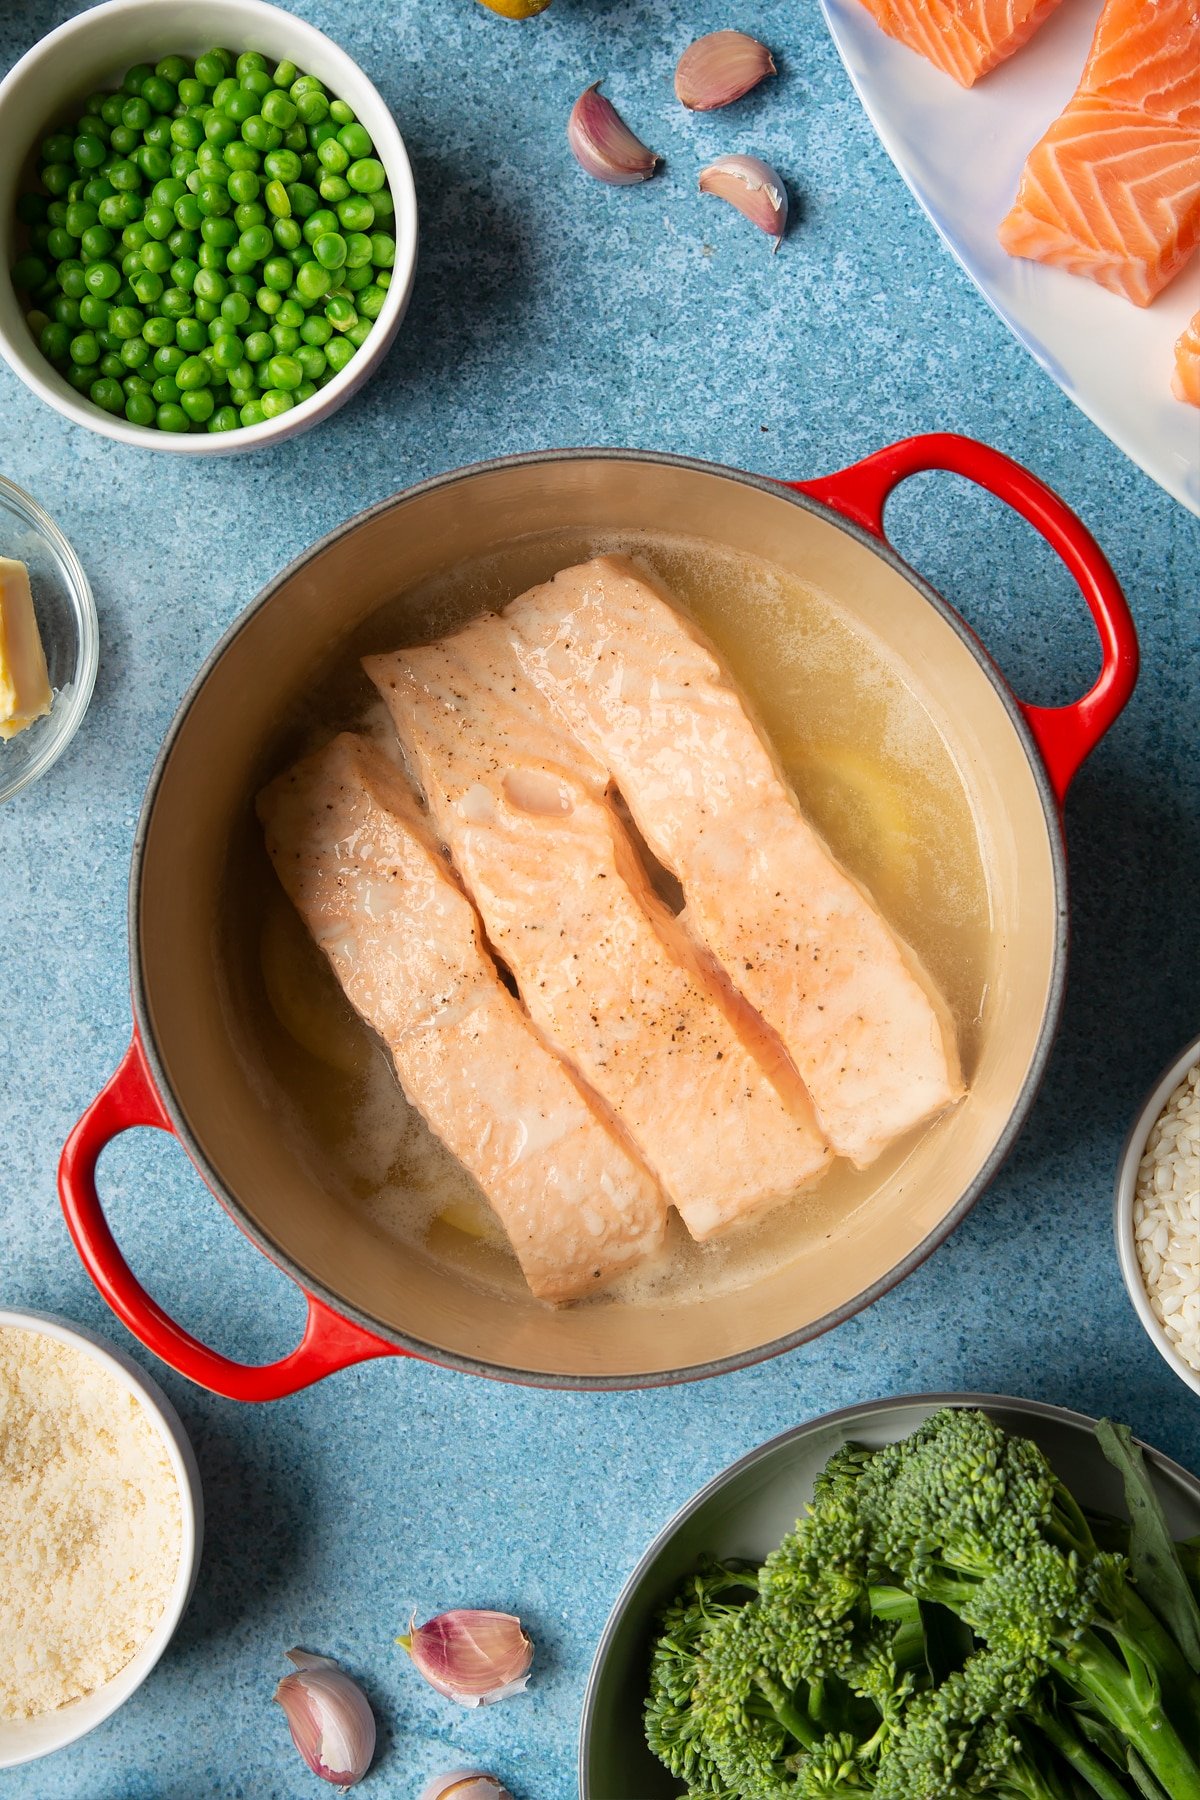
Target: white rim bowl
(93,51)
(1127,1173)
(70,633)
(23,1740)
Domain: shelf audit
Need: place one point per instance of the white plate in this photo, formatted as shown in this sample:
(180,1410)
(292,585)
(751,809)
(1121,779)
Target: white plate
(961,152)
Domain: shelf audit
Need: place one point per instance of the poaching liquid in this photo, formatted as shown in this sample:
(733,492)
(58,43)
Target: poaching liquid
(873,773)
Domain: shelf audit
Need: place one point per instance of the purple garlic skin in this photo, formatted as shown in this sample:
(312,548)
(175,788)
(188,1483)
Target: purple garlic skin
(330,1720)
(474,1658)
(753,187)
(603,145)
(718,69)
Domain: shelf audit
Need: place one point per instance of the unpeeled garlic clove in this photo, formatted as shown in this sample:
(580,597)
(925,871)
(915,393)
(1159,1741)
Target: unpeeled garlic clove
(465,1784)
(475,1658)
(753,187)
(718,69)
(603,144)
(331,1723)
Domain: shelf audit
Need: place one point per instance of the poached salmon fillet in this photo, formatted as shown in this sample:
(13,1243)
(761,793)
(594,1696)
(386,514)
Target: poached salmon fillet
(358,861)
(964,38)
(602,966)
(648,698)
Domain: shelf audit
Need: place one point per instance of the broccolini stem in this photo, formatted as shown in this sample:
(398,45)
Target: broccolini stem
(1092,1671)
(789,1716)
(1089,1768)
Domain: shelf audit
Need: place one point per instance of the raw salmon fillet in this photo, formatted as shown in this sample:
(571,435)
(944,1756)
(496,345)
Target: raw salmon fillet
(1185,382)
(1110,193)
(360,865)
(1146,55)
(1112,190)
(965,38)
(649,698)
(603,968)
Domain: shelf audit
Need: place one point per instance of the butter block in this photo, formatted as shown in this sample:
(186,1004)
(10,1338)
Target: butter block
(25,693)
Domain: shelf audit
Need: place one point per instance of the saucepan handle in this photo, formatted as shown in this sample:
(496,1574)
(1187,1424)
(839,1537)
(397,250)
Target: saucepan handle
(330,1342)
(1065,735)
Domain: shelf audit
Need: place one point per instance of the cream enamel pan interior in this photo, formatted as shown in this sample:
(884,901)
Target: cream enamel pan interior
(210,1073)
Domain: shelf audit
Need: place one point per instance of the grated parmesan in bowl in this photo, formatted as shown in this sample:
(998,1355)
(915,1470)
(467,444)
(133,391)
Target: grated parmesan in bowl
(1158,1215)
(99,1531)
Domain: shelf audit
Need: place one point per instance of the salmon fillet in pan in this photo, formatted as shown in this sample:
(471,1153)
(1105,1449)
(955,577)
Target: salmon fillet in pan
(648,697)
(602,966)
(359,863)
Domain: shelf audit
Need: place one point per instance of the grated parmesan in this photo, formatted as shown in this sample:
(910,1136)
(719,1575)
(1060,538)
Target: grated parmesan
(90,1524)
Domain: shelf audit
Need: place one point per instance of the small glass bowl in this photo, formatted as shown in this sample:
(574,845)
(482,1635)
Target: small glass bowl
(66,616)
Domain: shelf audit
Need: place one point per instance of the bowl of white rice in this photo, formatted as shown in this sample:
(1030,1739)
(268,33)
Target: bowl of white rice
(101,1519)
(1158,1215)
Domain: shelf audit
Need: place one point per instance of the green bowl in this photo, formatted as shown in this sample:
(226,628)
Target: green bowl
(746,1510)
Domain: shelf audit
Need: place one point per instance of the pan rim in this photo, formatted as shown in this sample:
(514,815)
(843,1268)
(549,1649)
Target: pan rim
(311,1283)
(1038,1409)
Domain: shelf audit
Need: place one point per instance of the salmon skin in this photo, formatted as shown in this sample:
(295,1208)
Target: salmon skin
(359,863)
(1112,189)
(1185,381)
(602,966)
(964,38)
(648,697)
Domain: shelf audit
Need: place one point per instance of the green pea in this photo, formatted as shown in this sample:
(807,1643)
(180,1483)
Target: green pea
(285,338)
(305,200)
(355,140)
(340,312)
(153,161)
(249,213)
(56,178)
(282,165)
(258,81)
(93,312)
(103,279)
(224,419)
(338,352)
(192,373)
(259,347)
(312,361)
(187,212)
(284,372)
(159,330)
(60,243)
(112,212)
(257,242)
(96,243)
(198,404)
(213,200)
(355,279)
(332,156)
(171,417)
(55,341)
(235,309)
(277,200)
(126,321)
(316,330)
(135,353)
(70,276)
(367,176)
(312,108)
(277,109)
(313,283)
(358,334)
(140,409)
(210,284)
(167,358)
(371,300)
(342,113)
(244,187)
(286,233)
(89,150)
(275,401)
(176,302)
(159,221)
(240,105)
(159,94)
(333,189)
(56,148)
(206,311)
(85,349)
(221,233)
(187,132)
(192,93)
(330,249)
(183,242)
(79,216)
(277,273)
(228,351)
(184,272)
(240,263)
(137,112)
(252,413)
(136,77)
(28,273)
(356,213)
(66,310)
(219,129)
(260,134)
(191,335)
(211,68)
(80,375)
(108,394)
(320,221)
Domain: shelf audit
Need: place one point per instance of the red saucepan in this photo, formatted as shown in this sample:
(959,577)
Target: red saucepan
(205,1061)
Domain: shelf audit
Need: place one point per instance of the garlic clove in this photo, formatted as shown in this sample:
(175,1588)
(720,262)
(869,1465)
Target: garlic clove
(603,144)
(465,1784)
(475,1658)
(330,1720)
(720,68)
(753,187)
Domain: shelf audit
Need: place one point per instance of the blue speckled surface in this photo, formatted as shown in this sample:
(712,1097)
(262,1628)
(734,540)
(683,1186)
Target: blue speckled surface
(551,311)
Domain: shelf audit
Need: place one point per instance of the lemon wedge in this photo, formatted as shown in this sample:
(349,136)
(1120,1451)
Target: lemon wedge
(304,996)
(516,9)
(472,1217)
(859,807)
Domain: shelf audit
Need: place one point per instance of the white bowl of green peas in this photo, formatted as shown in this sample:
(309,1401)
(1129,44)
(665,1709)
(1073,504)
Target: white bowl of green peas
(208,226)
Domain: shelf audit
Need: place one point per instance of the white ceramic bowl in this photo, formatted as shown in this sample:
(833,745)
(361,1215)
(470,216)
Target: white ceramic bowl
(1127,1173)
(23,1740)
(66,616)
(93,51)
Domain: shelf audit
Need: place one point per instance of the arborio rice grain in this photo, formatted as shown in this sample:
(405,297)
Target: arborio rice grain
(1166,1217)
